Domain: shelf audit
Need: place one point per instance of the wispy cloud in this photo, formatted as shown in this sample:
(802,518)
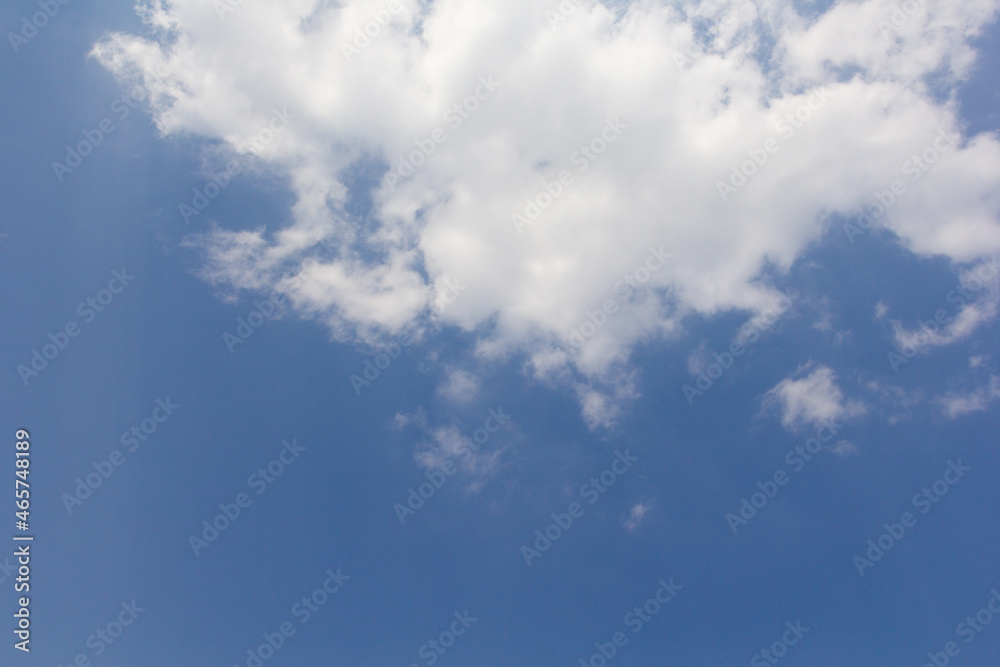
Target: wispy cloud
(956,404)
(636,515)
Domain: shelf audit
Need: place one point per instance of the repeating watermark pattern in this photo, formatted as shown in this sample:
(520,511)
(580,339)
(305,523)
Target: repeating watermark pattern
(591,491)
(303,611)
(899,17)
(873,213)
(779,649)
(103,470)
(964,293)
(565,9)
(259,481)
(245,328)
(758,156)
(251,147)
(209,191)
(636,620)
(436,478)
(374,367)
(749,334)
(372,29)
(105,636)
(627,286)
(924,501)
(768,489)
(449,293)
(581,158)
(968,629)
(88,311)
(92,138)
(263,311)
(38,20)
(455,117)
(434,649)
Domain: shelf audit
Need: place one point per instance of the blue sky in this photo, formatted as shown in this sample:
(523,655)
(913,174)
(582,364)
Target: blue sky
(358,269)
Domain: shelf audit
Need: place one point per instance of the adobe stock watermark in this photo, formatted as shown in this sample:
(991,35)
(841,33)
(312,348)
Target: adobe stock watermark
(262,312)
(436,648)
(372,29)
(591,491)
(121,107)
(29,28)
(924,501)
(758,156)
(899,17)
(259,481)
(977,280)
(581,158)
(779,649)
(629,284)
(796,459)
(455,117)
(873,213)
(417,497)
(448,294)
(566,9)
(245,327)
(134,437)
(303,611)
(88,311)
(106,635)
(750,332)
(636,620)
(252,146)
(374,367)
(968,629)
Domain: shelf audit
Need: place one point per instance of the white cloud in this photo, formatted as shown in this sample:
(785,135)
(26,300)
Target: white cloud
(881,310)
(812,399)
(603,402)
(827,324)
(976,296)
(699,359)
(896,402)
(655,185)
(636,515)
(401,421)
(449,444)
(460,386)
(845,448)
(958,404)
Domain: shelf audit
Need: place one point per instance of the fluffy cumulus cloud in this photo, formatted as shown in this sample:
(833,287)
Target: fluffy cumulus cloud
(812,399)
(565,180)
